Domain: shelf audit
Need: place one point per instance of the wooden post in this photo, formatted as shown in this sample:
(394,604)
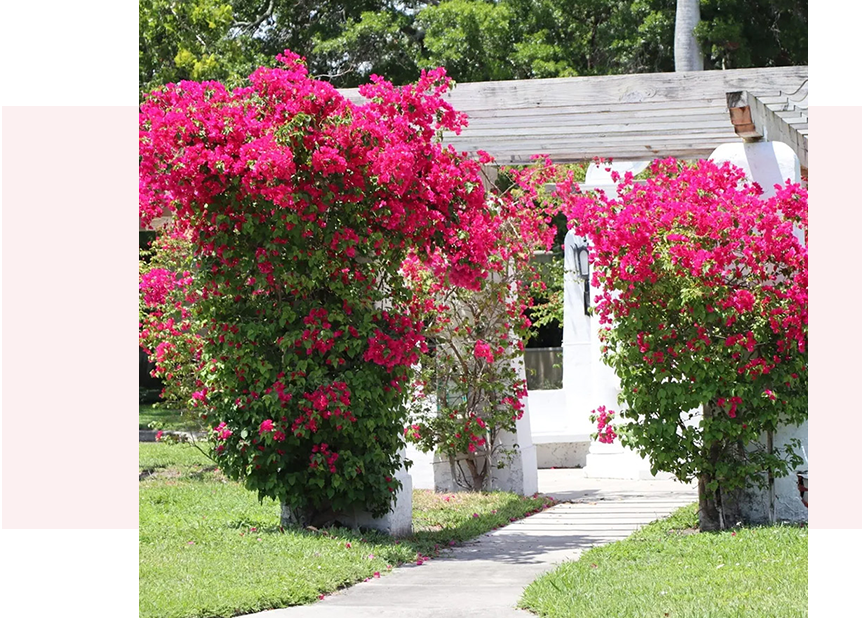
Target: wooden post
(741,116)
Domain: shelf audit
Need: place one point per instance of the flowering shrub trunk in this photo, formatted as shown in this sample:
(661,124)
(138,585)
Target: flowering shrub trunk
(704,307)
(470,391)
(298,332)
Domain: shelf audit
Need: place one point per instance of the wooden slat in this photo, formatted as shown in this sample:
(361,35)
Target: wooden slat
(586,138)
(615,89)
(576,130)
(683,106)
(640,87)
(691,150)
(718,115)
(790,115)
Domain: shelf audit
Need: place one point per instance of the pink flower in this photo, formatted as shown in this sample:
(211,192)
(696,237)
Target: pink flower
(222,431)
(158,435)
(266,427)
(482,350)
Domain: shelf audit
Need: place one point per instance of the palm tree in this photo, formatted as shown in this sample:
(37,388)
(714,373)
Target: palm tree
(687,51)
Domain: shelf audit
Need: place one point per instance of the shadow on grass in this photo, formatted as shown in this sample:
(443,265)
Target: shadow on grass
(455,527)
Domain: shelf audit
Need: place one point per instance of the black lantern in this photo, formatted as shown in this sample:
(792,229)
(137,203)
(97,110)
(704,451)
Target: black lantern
(583,269)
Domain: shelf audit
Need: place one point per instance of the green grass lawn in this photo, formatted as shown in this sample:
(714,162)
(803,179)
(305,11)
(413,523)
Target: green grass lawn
(161,418)
(668,569)
(209,548)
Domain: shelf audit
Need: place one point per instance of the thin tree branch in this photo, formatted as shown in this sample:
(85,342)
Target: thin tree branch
(252,26)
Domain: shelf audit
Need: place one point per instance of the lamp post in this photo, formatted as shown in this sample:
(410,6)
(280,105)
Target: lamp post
(583,269)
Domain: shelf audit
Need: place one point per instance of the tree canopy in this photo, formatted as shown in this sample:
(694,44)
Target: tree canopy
(475,40)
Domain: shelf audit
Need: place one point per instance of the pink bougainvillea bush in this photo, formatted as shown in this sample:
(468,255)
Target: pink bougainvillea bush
(704,304)
(169,329)
(470,390)
(299,207)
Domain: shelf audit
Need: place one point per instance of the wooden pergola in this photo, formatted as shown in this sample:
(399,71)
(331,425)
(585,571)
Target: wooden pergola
(632,117)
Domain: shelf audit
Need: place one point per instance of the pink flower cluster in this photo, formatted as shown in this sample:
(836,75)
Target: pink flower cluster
(482,351)
(732,402)
(326,403)
(603,418)
(318,337)
(222,431)
(323,456)
(701,223)
(155,286)
(200,142)
(413,431)
(401,344)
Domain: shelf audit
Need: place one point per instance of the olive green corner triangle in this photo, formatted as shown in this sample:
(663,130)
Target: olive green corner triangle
(79,588)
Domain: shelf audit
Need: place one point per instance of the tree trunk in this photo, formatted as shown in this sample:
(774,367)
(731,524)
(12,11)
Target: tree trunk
(477,475)
(687,51)
(710,516)
(771,484)
(718,509)
(291,517)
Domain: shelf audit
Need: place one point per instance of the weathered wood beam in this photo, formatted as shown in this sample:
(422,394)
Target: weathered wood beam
(741,116)
(753,120)
(614,89)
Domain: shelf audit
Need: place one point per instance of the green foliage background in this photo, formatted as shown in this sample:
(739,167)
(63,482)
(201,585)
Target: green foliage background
(346,41)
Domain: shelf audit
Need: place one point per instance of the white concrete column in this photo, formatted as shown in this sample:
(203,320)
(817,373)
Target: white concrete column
(577,384)
(398,521)
(519,475)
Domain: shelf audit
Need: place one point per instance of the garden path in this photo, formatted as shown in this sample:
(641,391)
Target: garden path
(485,577)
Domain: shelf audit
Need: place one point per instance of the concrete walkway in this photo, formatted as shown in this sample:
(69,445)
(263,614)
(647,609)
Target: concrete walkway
(485,578)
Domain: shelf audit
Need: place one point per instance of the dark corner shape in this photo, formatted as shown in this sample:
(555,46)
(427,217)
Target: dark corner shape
(16,595)
(24,54)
